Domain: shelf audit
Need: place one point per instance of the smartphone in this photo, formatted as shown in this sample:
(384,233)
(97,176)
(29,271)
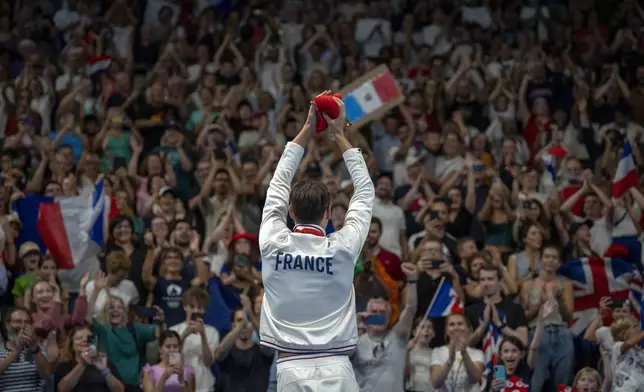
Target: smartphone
(242,260)
(375,319)
(499,372)
(118,163)
(617,303)
(174,359)
(433,214)
(144,312)
(478,167)
(196,316)
(91,342)
(527,204)
(436,264)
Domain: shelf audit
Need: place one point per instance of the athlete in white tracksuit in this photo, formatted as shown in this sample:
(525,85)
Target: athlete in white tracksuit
(308,311)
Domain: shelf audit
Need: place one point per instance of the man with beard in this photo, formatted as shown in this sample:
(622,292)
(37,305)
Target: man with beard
(23,367)
(244,364)
(504,314)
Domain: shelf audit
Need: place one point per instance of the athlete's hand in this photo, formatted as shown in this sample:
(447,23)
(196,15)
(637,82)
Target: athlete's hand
(336,127)
(410,270)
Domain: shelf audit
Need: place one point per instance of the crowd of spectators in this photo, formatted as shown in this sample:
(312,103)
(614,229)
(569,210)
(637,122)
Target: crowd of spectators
(182,109)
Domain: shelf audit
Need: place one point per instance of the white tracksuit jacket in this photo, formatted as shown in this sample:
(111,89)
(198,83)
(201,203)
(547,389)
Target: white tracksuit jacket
(309,303)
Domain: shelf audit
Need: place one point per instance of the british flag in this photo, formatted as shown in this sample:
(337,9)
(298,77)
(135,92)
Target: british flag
(594,278)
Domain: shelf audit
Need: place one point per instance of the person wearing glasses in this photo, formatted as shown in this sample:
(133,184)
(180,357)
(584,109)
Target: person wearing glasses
(379,360)
(23,366)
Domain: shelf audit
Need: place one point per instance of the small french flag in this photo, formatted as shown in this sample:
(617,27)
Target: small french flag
(626,175)
(445,301)
(375,94)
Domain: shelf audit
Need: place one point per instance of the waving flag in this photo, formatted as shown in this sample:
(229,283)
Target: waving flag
(371,96)
(70,228)
(491,344)
(445,301)
(626,175)
(592,279)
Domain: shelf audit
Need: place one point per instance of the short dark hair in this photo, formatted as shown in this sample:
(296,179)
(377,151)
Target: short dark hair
(487,266)
(309,200)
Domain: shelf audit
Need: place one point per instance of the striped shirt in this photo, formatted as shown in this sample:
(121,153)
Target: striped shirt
(21,375)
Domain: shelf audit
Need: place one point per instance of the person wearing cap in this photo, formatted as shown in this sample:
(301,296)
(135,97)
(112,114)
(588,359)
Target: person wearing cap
(579,241)
(168,206)
(29,256)
(243,268)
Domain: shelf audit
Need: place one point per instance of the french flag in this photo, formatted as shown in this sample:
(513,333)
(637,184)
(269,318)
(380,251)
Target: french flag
(626,175)
(70,228)
(98,64)
(445,301)
(379,92)
(550,159)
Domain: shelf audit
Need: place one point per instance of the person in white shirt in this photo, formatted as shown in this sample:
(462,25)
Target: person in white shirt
(394,230)
(309,300)
(199,340)
(379,361)
(600,334)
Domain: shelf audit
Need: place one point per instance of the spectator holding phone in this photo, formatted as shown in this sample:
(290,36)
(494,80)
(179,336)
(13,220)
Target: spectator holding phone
(199,340)
(170,374)
(23,367)
(514,368)
(380,354)
(84,367)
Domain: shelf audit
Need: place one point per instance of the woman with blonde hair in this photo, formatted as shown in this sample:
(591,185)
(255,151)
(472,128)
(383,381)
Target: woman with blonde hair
(586,380)
(85,366)
(123,341)
(627,373)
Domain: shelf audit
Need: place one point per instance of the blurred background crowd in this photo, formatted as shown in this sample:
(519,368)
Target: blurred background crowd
(495,173)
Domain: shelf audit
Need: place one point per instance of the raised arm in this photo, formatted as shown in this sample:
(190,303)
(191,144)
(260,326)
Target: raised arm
(358,218)
(277,196)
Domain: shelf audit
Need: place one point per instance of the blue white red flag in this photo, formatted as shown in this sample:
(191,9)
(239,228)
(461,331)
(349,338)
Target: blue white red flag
(491,344)
(592,279)
(445,301)
(626,174)
(70,228)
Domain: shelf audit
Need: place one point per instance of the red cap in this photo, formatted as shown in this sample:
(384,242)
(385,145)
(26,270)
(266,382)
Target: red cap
(326,104)
(617,251)
(243,234)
